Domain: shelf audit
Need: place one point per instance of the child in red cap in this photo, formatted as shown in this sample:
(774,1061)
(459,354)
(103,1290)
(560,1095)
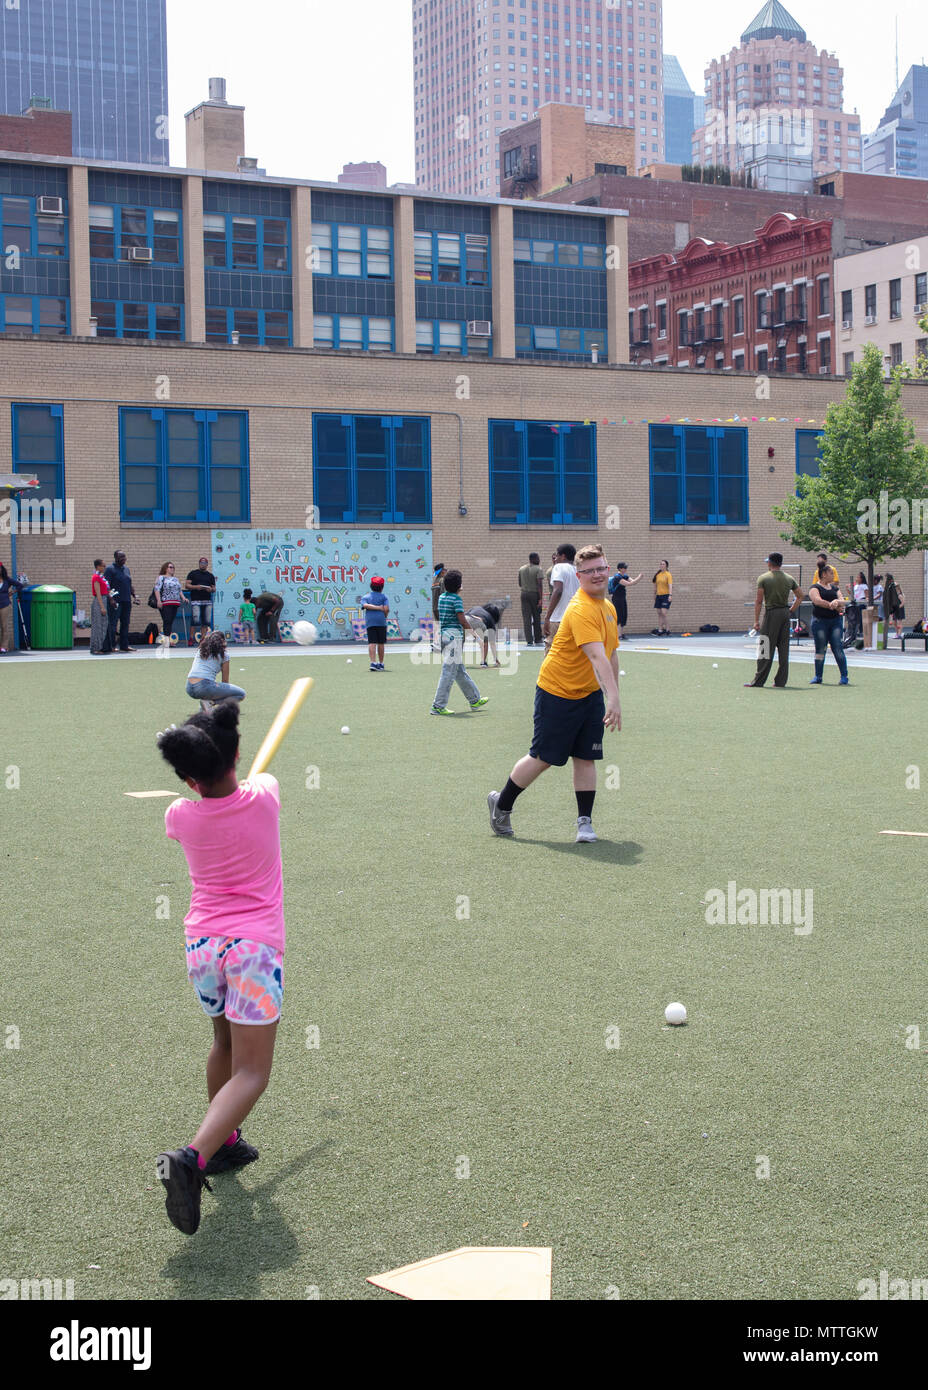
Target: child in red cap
(375,608)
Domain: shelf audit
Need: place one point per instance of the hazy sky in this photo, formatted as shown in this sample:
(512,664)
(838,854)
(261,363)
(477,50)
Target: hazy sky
(285,61)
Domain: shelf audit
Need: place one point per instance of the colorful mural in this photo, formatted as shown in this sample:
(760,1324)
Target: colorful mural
(322,576)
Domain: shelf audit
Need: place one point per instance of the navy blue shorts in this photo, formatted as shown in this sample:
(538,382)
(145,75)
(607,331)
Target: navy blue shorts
(376,636)
(662,601)
(568,728)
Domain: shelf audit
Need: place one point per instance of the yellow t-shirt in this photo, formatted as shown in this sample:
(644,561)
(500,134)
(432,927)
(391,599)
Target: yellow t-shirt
(566,670)
(816,576)
(663,581)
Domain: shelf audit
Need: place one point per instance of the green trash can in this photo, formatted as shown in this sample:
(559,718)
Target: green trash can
(50,619)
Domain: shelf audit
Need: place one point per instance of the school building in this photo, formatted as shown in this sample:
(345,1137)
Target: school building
(192,350)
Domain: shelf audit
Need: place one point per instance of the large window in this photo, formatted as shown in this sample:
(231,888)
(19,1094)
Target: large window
(699,476)
(558,253)
(542,473)
(269,327)
(364,253)
(183,465)
(451,258)
(33,314)
(38,449)
(360,332)
(115,231)
(116,319)
(895,299)
(235,242)
(30,233)
(808,456)
(372,470)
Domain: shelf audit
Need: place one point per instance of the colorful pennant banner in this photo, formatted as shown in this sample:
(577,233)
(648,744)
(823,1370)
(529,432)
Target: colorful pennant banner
(705,420)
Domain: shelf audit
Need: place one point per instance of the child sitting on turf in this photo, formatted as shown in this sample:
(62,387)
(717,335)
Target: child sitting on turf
(453,621)
(209,661)
(235,941)
(375,608)
(246,618)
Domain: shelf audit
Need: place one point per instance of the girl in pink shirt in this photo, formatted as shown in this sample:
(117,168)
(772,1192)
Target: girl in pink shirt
(234,938)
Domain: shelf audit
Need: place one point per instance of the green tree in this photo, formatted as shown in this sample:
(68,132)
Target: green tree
(870,500)
(917,370)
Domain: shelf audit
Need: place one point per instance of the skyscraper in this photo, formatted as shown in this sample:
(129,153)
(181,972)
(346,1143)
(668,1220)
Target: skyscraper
(774,105)
(481,68)
(105,61)
(900,144)
(684,112)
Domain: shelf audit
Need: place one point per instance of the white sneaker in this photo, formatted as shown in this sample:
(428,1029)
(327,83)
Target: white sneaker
(585,832)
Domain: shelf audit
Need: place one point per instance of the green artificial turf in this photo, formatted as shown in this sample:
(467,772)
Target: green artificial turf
(486,1041)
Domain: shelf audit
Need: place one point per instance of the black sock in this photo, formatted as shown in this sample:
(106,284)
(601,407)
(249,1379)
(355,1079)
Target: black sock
(584,803)
(508,795)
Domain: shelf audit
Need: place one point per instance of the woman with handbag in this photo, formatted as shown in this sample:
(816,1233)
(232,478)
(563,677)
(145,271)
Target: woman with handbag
(168,597)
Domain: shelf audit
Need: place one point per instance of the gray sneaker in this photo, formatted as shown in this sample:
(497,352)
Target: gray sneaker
(586,835)
(499,820)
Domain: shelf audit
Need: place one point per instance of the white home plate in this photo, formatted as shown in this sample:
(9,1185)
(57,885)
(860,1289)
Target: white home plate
(142,794)
(474,1272)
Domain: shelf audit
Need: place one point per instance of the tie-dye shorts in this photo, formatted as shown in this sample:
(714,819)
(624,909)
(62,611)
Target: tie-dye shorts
(239,978)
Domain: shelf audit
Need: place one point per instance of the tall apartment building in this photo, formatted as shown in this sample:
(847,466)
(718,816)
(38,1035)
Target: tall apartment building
(881,296)
(774,105)
(482,66)
(684,113)
(899,145)
(105,61)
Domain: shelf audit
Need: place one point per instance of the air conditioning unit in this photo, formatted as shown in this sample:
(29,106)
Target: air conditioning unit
(140,253)
(845,323)
(920,308)
(871,318)
(245,161)
(824,371)
(663,333)
(54,206)
(479,328)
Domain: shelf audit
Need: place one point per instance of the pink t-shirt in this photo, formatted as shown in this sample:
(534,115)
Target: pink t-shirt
(232,844)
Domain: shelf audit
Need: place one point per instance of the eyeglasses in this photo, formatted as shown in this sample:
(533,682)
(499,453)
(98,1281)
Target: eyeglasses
(602,569)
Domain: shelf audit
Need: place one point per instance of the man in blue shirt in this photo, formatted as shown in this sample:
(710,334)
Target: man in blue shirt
(122,597)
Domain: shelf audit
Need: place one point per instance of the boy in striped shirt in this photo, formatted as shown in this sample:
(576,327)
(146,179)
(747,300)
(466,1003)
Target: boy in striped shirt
(452,622)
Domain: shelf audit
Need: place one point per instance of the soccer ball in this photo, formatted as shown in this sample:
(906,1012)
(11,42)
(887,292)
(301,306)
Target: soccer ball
(304,633)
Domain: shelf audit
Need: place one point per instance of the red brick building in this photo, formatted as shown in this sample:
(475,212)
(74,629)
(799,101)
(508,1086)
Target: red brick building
(764,305)
(37,131)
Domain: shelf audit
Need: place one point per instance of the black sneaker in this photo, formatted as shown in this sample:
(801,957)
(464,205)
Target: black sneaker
(231,1156)
(183,1181)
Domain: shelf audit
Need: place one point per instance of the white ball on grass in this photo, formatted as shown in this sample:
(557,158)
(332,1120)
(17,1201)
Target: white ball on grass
(349,660)
(345,729)
(715,665)
(304,633)
(675,1013)
(621,673)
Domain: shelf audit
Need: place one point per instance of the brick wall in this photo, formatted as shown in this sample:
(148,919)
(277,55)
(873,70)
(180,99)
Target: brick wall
(714,568)
(38,132)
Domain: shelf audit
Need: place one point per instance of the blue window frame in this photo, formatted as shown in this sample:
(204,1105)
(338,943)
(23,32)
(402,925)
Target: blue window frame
(116,229)
(370,470)
(183,465)
(808,457)
(38,449)
(537,338)
(452,258)
(270,327)
(362,332)
(448,337)
(32,233)
(699,475)
(118,319)
(234,241)
(354,250)
(577,255)
(33,313)
(542,473)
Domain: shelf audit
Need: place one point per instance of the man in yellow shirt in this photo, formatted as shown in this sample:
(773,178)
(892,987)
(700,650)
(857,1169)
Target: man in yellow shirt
(821,561)
(571,713)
